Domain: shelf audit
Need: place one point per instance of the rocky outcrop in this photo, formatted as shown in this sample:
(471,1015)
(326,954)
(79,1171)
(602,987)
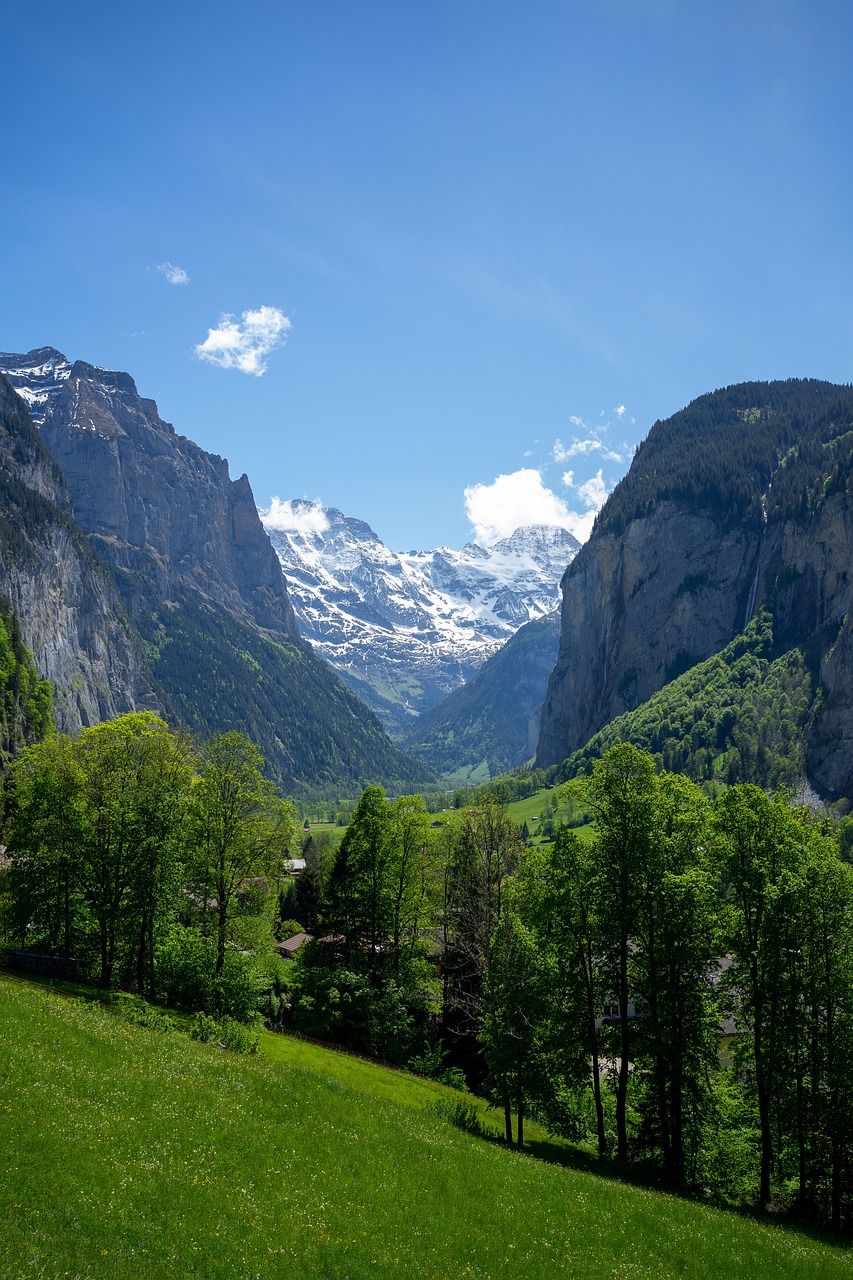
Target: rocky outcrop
(647,599)
(164,513)
(71,614)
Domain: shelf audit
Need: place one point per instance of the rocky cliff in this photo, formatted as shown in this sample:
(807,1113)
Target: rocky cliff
(199,581)
(742,500)
(70,613)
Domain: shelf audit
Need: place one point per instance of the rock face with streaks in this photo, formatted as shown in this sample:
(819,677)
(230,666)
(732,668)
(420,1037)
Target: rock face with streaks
(199,582)
(70,611)
(742,500)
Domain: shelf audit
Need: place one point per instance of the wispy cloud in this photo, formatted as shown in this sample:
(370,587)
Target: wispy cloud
(578,447)
(593,493)
(244,344)
(175,275)
(299,517)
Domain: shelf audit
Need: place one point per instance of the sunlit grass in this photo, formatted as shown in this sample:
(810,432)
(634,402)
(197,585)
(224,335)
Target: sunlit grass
(127,1152)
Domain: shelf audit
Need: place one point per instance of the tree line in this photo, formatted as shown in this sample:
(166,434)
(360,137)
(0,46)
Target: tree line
(145,854)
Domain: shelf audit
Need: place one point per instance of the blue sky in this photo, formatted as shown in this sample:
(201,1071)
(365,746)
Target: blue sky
(464,231)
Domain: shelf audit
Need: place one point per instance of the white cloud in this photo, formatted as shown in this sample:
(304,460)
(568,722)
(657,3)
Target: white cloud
(619,410)
(496,510)
(512,501)
(578,448)
(242,344)
(594,492)
(175,275)
(305,517)
(569,478)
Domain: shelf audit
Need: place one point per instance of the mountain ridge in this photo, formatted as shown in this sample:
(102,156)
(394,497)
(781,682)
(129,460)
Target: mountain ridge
(198,579)
(407,628)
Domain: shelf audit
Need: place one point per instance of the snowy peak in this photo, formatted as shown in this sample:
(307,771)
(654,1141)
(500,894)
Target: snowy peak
(38,377)
(408,627)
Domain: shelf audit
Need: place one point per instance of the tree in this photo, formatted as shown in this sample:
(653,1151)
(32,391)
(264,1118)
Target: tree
(44,830)
(757,841)
(241,828)
(484,847)
(622,794)
(358,903)
(674,959)
(570,931)
(134,780)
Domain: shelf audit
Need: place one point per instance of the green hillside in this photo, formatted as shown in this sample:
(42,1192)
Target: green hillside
(131,1152)
(216,672)
(740,716)
(25,699)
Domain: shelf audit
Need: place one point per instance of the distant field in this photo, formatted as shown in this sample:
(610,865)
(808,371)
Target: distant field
(127,1152)
(532,811)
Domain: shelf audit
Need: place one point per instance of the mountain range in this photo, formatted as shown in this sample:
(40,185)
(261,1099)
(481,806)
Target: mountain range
(405,629)
(141,576)
(707,618)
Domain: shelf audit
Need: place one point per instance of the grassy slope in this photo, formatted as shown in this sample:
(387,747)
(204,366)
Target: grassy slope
(127,1152)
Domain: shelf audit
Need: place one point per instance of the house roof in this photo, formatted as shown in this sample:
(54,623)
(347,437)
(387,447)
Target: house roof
(290,946)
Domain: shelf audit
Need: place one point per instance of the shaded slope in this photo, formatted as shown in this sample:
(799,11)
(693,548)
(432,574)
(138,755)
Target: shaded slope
(491,724)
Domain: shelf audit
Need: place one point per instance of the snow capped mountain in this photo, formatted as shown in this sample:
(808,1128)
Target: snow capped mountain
(38,378)
(406,628)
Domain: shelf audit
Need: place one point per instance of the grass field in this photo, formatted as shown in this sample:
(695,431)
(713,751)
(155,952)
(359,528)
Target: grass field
(532,808)
(127,1152)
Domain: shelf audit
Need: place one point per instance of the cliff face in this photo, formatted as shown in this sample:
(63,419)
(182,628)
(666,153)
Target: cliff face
(71,615)
(162,512)
(672,582)
(197,576)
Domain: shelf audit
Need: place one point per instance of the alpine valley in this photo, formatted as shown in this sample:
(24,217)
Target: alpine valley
(407,628)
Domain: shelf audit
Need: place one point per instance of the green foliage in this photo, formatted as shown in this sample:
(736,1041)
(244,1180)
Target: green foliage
(740,716)
(345,1007)
(204,1028)
(26,701)
(186,977)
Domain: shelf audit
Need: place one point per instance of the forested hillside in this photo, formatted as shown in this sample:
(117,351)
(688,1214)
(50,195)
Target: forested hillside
(741,716)
(721,452)
(26,701)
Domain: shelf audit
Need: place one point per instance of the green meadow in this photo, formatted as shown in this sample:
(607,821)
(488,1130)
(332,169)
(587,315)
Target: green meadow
(133,1152)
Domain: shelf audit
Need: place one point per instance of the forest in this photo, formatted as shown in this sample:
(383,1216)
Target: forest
(670,988)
